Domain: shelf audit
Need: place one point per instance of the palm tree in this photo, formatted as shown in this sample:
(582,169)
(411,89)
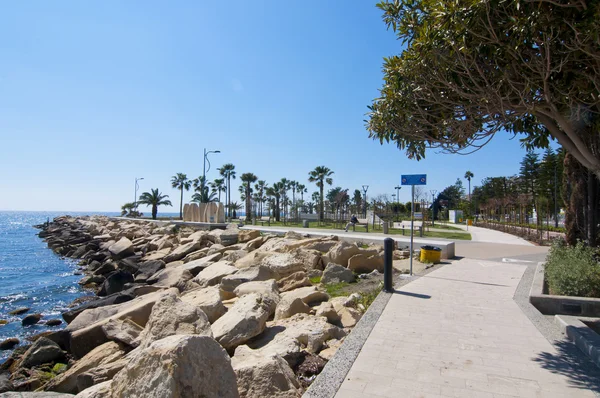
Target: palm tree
(468,176)
(181,182)
(320,175)
(285,185)
(275,192)
(260,187)
(248,179)
(301,188)
(235,206)
(228,172)
(154,199)
(202,195)
(218,185)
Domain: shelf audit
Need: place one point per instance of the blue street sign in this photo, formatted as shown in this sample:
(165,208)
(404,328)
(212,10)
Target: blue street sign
(414,179)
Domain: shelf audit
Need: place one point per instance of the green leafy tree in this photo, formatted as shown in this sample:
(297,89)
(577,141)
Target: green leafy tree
(130,210)
(248,179)
(154,198)
(321,175)
(228,172)
(472,69)
(181,182)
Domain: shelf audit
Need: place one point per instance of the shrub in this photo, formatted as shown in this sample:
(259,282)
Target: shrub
(573,270)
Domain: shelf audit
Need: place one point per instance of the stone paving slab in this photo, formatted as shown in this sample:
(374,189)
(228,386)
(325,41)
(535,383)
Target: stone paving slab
(457,332)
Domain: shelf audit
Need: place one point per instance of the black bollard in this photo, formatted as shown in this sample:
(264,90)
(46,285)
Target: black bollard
(388,256)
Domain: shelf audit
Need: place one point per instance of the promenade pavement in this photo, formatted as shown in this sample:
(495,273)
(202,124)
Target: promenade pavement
(457,332)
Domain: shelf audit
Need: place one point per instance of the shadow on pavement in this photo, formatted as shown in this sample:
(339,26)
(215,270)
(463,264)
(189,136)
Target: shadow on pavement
(416,295)
(570,362)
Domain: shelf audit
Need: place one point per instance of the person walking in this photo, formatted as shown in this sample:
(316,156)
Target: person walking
(353,222)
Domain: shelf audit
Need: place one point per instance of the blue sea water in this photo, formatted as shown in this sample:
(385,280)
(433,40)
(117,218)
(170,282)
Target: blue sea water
(31,275)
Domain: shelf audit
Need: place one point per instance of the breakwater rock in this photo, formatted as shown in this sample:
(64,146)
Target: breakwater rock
(181,312)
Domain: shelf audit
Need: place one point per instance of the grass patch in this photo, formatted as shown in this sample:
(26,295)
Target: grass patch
(573,270)
(448,235)
(368,297)
(336,289)
(315,280)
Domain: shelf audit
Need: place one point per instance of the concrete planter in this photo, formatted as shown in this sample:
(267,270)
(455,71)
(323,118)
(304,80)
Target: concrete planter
(549,304)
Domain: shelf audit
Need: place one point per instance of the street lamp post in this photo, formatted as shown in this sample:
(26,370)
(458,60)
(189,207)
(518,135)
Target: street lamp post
(135,191)
(365,188)
(203,184)
(398,188)
(433,192)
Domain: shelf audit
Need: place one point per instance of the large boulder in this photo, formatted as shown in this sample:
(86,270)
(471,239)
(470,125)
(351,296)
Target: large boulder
(104,354)
(335,273)
(182,251)
(245,320)
(341,253)
(148,268)
(348,316)
(247,235)
(279,264)
(365,263)
(196,266)
(31,319)
(259,377)
(88,336)
(121,249)
(100,374)
(42,351)
(5,383)
(290,306)
(289,337)
(208,300)
(175,276)
(327,310)
(123,331)
(230,282)
(172,316)
(157,255)
(101,390)
(293,281)
(265,288)
(179,366)
(310,295)
(225,237)
(117,298)
(213,274)
(115,282)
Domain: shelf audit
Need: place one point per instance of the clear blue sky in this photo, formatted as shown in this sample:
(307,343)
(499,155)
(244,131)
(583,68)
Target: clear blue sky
(94,94)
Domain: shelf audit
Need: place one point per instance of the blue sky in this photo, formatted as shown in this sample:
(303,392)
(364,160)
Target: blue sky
(94,94)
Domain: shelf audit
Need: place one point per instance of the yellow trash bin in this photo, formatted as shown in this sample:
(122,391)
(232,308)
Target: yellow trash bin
(430,254)
(469,222)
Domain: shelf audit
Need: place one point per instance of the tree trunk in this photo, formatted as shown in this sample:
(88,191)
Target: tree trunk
(277,211)
(154,211)
(574,179)
(229,196)
(181,205)
(248,209)
(321,212)
(592,207)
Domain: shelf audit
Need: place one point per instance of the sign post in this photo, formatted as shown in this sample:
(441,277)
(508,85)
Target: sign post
(413,179)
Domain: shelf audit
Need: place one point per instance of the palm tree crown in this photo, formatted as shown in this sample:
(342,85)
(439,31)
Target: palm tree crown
(320,175)
(181,182)
(154,198)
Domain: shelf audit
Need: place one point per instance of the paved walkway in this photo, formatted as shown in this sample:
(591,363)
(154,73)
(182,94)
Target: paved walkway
(492,236)
(457,332)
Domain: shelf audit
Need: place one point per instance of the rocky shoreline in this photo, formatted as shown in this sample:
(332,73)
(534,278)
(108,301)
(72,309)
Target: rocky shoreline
(179,312)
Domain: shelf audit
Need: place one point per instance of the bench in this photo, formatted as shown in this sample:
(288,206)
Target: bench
(263,220)
(361,221)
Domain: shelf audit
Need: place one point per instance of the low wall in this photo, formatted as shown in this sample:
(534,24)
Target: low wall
(562,305)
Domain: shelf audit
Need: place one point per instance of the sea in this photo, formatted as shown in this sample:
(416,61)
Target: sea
(32,275)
